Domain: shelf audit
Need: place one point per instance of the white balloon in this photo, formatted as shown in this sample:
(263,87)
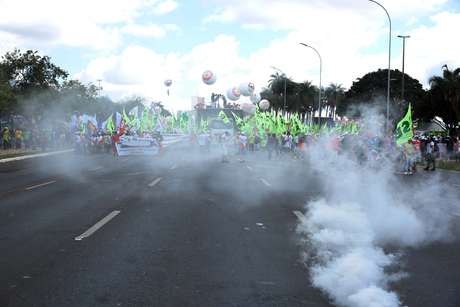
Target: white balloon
(248,108)
(247,89)
(209,77)
(255,98)
(168,82)
(233,93)
(264,104)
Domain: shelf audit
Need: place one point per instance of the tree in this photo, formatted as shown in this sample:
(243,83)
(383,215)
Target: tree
(30,71)
(300,97)
(371,89)
(34,80)
(445,96)
(7,98)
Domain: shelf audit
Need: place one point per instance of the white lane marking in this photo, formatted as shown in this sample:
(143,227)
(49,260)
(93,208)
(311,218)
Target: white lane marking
(173,167)
(40,185)
(135,174)
(265,182)
(299,215)
(98,225)
(154,182)
(249,168)
(35,155)
(96,169)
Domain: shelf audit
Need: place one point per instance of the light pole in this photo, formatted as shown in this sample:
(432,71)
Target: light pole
(403,59)
(285,77)
(320,79)
(389,65)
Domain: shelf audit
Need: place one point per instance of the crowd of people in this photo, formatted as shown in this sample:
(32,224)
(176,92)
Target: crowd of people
(34,138)
(426,149)
(421,150)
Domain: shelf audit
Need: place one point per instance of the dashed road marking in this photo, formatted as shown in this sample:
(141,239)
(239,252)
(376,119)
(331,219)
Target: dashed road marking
(299,215)
(249,168)
(265,182)
(154,182)
(95,169)
(173,167)
(98,225)
(135,174)
(40,185)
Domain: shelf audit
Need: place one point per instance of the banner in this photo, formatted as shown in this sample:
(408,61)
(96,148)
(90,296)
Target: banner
(132,145)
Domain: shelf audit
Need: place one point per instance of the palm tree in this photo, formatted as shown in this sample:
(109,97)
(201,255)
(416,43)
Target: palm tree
(446,90)
(335,93)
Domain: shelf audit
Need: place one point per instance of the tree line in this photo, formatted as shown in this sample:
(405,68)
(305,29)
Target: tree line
(32,86)
(441,99)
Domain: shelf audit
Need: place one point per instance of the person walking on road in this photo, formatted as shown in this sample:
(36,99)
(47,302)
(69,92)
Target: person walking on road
(430,155)
(271,145)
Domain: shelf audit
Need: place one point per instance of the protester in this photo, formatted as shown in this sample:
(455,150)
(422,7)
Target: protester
(6,138)
(430,155)
(272,144)
(224,140)
(408,157)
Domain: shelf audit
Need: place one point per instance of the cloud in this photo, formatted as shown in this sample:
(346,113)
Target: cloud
(348,39)
(149,30)
(83,23)
(165,7)
(430,47)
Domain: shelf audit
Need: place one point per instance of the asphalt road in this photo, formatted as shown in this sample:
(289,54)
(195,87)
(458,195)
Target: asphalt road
(186,230)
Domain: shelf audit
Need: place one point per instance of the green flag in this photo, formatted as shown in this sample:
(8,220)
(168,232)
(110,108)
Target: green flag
(224,117)
(404,128)
(126,118)
(109,124)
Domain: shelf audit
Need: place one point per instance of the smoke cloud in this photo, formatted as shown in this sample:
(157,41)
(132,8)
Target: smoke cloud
(354,233)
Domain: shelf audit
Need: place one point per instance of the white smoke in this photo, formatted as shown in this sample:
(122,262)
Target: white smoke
(354,235)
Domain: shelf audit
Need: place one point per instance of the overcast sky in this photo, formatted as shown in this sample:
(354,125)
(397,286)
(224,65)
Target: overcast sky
(133,46)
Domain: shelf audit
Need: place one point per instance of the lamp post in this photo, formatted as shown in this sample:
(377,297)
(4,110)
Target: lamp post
(285,77)
(389,65)
(320,79)
(403,61)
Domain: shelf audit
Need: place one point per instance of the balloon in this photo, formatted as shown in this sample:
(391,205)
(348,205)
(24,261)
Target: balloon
(233,93)
(247,89)
(209,77)
(264,104)
(248,108)
(255,98)
(168,82)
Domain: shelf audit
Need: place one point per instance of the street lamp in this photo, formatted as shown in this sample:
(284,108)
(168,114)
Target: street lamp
(285,77)
(320,77)
(403,59)
(389,65)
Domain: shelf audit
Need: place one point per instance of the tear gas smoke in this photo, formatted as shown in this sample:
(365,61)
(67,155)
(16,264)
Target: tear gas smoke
(354,235)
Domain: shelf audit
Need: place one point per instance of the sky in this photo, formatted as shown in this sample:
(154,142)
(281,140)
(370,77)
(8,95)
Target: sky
(133,46)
